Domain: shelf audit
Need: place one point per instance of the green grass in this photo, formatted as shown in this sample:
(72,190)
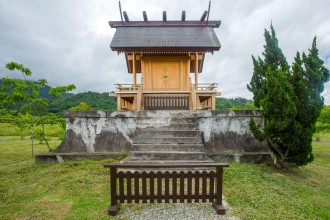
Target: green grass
(80,190)
(262,192)
(70,190)
(8,129)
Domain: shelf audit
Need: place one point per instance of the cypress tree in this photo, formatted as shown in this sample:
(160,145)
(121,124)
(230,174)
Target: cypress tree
(273,58)
(289,100)
(307,77)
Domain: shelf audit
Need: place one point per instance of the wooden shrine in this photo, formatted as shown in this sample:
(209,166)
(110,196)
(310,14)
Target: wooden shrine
(165,58)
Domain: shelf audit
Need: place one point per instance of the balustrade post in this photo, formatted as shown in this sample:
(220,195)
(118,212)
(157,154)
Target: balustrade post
(113,191)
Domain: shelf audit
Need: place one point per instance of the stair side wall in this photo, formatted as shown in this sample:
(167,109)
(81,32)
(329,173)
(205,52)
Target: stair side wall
(111,131)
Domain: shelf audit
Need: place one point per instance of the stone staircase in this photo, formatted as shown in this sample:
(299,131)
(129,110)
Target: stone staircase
(168,139)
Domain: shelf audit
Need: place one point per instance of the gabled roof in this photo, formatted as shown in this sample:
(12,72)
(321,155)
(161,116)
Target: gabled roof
(165,39)
(165,36)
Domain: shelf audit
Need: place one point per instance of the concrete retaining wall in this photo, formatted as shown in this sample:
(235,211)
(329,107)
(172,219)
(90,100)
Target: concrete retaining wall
(110,131)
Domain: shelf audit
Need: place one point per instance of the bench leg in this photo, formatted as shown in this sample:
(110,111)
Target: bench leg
(220,209)
(113,210)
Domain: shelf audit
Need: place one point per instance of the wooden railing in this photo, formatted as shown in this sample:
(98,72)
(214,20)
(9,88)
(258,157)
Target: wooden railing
(127,87)
(165,186)
(166,102)
(205,86)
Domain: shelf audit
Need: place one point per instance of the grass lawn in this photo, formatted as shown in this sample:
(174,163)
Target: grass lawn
(9,129)
(262,192)
(80,190)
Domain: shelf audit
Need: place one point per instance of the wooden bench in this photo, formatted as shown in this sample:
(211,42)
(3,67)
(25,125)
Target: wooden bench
(164,185)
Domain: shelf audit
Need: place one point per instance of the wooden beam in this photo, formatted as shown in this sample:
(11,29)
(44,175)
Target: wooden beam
(183,16)
(125,16)
(130,57)
(192,57)
(213,101)
(203,16)
(196,68)
(134,72)
(145,17)
(164,16)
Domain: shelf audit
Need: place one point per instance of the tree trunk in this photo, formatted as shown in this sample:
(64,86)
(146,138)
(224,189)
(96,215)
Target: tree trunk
(44,137)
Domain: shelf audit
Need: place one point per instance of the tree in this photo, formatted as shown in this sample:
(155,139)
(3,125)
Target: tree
(308,76)
(81,106)
(289,101)
(23,122)
(25,93)
(273,59)
(323,122)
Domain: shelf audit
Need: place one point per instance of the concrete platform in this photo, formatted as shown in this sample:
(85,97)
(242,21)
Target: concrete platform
(107,134)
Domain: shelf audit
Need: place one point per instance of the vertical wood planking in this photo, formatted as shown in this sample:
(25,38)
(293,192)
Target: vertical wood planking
(121,186)
(144,187)
(113,182)
(181,186)
(136,186)
(196,186)
(204,185)
(129,187)
(211,189)
(174,187)
(159,186)
(167,187)
(218,192)
(189,187)
(152,187)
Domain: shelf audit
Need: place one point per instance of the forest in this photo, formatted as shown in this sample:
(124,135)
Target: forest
(102,101)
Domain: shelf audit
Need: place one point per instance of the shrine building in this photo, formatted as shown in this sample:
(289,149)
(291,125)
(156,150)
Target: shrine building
(165,59)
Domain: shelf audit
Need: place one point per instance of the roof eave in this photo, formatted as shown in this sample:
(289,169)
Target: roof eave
(166,49)
(213,24)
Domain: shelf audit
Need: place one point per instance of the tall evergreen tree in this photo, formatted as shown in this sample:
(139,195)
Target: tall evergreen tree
(307,77)
(289,100)
(273,58)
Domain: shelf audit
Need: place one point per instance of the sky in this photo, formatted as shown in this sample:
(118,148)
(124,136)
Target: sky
(68,41)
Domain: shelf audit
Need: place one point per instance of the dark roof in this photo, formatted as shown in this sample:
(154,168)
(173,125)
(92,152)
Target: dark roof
(165,39)
(116,24)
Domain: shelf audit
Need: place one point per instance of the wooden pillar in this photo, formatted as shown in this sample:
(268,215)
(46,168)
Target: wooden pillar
(213,102)
(113,195)
(194,99)
(139,99)
(118,103)
(134,71)
(196,68)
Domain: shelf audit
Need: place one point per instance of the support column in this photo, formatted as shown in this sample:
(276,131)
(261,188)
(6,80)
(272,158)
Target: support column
(118,103)
(196,68)
(213,101)
(139,99)
(134,71)
(194,99)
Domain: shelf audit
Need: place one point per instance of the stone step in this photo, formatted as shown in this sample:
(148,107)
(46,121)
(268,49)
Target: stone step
(168,147)
(167,140)
(169,120)
(169,155)
(167,126)
(166,133)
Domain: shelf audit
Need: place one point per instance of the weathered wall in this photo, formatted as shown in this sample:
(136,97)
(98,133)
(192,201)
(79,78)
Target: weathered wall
(110,131)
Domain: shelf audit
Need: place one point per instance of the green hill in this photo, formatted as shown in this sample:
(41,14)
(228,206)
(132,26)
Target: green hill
(98,101)
(102,101)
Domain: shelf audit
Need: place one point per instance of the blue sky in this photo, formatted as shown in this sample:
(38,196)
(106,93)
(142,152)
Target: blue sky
(68,41)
